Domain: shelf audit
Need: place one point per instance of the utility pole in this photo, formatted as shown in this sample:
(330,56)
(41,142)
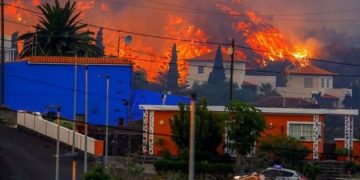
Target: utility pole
(118,46)
(192,139)
(57,144)
(232,69)
(74,123)
(107,77)
(86,117)
(2,54)
(107,121)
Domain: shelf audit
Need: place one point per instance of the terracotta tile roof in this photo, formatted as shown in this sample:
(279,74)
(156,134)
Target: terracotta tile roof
(311,70)
(211,57)
(287,102)
(247,83)
(328,96)
(73,60)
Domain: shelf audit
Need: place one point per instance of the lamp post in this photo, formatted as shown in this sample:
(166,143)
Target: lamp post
(231,51)
(107,77)
(58,144)
(192,139)
(86,118)
(74,123)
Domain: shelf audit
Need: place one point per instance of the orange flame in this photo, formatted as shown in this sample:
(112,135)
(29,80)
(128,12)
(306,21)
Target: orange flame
(267,41)
(36,2)
(182,29)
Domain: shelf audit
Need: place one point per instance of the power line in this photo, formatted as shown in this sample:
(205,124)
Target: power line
(137,33)
(202,42)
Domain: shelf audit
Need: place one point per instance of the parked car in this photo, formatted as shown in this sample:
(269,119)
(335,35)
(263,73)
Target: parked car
(282,174)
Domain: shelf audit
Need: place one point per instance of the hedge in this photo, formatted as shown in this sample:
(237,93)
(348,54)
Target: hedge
(202,168)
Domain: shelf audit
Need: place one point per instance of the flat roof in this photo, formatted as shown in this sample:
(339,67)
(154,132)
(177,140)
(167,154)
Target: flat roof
(301,111)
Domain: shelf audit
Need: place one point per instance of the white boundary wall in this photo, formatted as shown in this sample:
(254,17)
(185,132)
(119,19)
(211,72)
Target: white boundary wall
(49,129)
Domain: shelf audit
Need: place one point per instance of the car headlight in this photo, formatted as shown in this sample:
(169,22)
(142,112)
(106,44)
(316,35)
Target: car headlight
(237,177)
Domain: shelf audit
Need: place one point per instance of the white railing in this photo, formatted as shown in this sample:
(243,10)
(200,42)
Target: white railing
(49,129)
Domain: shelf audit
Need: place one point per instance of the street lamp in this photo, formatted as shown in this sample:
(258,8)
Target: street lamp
(86,117)
(107,77)
(74,116)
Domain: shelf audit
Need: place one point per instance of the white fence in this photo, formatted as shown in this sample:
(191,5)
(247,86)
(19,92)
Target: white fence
(49,129)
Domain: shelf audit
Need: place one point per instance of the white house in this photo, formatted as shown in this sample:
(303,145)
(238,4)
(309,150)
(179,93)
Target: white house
(10,53)
(304,82)
(201,66)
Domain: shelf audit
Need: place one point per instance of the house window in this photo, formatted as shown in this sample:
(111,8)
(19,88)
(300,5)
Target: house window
(301,131)
(322,83)
(200,69)
(328,83)
(308,82)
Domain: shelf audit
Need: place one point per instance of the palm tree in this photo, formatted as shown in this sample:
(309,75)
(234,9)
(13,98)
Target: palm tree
(59,34)
(267,90)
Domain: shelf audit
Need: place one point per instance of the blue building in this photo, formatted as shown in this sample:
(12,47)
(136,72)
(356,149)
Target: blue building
(37,83)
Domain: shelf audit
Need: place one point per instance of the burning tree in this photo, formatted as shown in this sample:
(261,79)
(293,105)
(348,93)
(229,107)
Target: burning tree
(59,34)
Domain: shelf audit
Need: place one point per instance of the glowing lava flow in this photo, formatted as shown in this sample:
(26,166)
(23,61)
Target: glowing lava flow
(266,40)
(181,29)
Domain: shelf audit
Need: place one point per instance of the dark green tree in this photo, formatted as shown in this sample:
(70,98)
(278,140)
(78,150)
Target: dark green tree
(99,41)
(267,90)
(97,173)
(286,149)
(209,130)
(59,33)
(173,73)
(244,125)
(218,72)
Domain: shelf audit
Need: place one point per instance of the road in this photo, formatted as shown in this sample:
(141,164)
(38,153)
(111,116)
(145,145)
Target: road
(25,156)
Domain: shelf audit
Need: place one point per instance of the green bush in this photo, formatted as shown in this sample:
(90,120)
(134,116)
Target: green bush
(311,170)
(201,168)
(286,149)
(342,151)
(98,172)
(353,167)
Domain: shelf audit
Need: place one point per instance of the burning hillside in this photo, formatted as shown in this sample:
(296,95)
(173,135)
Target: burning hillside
(264,41)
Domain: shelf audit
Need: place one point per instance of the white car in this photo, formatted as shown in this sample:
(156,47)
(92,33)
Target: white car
(282,174)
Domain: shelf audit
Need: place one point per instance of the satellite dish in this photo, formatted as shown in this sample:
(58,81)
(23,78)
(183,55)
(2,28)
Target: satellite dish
(128,40)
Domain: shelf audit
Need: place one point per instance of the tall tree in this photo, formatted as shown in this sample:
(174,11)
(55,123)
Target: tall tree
(244,127)
(14,37)
(59,33)
(218,72)
(209,130)
(173,73)
(99,41)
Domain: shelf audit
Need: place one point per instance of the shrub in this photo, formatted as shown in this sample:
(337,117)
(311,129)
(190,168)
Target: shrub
(201,168)
(97,173)
(311,170)
(342,151)
(287,149)
(353,167)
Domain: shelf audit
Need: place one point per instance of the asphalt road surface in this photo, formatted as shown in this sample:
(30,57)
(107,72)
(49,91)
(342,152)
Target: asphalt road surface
(26,156)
